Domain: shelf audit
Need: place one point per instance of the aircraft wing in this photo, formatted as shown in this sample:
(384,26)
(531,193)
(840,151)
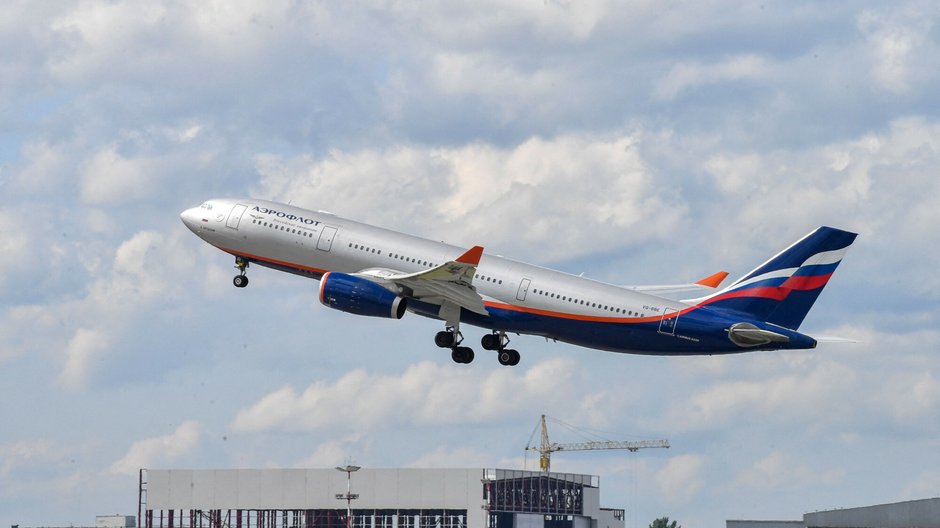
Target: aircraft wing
(450,282)
(712,281)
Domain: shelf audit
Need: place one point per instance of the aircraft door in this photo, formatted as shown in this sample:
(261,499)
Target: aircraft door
(667,325)
(523,289)
(235,216)
(326,238)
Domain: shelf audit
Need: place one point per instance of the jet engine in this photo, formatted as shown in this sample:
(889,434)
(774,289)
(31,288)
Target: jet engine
(360,296)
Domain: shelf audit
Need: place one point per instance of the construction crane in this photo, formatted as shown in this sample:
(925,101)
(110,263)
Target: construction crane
(547,448)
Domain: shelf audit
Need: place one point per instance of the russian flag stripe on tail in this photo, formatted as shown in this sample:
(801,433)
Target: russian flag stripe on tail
(782,290)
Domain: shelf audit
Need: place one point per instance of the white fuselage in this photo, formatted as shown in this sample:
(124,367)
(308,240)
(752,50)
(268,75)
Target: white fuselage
(312,243)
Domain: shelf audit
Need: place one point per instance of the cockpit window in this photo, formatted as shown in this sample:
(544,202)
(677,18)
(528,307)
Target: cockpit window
(207,206)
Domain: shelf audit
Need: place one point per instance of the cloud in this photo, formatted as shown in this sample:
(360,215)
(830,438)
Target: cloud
(446,457)
(791,397)
(424,394)
(681,478)
(25,454)
(110,178)
(333,452)
(685,76)
(470,190)
(158,450)
(778,471)
(898,40)
(924,484)
(83,349)
(16,246)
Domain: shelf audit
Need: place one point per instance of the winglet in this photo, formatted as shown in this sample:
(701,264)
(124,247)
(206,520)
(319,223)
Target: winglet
(472,256)
(712,281)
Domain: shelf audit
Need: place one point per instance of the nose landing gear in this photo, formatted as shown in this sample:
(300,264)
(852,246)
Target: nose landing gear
(240,280)
(497,341)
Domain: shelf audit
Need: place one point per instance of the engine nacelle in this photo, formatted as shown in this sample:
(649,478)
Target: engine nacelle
(360,296)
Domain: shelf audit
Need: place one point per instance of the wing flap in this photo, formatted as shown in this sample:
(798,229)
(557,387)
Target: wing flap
(451,281)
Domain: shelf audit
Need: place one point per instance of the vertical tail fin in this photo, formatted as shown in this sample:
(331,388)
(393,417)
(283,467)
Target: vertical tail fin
(782,290)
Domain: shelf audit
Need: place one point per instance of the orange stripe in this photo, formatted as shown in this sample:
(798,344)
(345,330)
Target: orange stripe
(273,261)
(576,317)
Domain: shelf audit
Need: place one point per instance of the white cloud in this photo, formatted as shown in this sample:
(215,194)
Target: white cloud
(500,83)
(681,478)
(879,184)
(332,452)
(43,165)
(541,184)
(26,453)
(687,75)
(109,178)
(447,457)
(424,394)
(925,484)
(146,270)
(16,246)
(23,327)
(796,396)
(897,38)
(159,450)
(778,471)
(84,349)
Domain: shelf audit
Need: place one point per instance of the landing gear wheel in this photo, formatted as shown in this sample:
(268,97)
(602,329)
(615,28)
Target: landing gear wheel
(492,342)
(445,339)
(462,354)
(513,358)
(508,357)
(240,281)
(504,357)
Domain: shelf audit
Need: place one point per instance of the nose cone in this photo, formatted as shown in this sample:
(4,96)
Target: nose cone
(191,218)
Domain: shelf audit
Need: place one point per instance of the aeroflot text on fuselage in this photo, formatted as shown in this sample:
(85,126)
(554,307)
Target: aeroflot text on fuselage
(373,271)
(286,216)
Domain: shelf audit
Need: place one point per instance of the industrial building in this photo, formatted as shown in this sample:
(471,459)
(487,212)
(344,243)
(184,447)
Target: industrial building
(923,513)
(371,498)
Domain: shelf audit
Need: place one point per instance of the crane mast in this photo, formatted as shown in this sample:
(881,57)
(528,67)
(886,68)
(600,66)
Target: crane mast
(547,447)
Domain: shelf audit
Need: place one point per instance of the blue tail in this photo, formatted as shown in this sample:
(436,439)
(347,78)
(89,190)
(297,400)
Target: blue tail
(782,290)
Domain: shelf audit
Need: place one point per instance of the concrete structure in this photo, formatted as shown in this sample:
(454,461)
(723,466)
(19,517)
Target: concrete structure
(764,524)
(115,521)
(387,498)
(909,514)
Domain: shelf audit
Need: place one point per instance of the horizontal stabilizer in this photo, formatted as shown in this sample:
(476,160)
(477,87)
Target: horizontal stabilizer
(833,339)
(712,282)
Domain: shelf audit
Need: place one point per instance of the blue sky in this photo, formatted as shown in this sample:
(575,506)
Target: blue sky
(634,142)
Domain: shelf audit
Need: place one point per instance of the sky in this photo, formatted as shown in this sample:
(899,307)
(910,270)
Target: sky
(635,142)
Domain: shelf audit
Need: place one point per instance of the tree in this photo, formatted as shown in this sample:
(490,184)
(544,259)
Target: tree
(663,522)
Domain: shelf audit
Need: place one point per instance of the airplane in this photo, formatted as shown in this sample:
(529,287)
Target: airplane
(372,271)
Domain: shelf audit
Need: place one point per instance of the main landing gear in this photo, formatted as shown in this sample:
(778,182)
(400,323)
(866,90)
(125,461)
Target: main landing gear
(240,280)
(497,341)
(452,338)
